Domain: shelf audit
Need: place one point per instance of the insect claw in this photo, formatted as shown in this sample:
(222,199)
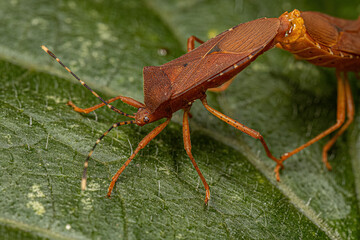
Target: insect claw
(207,197)
(325,160)
(277,172)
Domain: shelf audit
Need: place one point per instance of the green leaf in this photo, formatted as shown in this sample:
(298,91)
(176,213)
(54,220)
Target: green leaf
(43,143)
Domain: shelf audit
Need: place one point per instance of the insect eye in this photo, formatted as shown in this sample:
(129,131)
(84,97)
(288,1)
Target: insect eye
(146,119)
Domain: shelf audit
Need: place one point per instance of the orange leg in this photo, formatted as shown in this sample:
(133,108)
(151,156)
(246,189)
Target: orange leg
(187,146)
(141,145)
(127,100)
(191,42)
(340,118)
(222,87)
(350,117)
(243,128)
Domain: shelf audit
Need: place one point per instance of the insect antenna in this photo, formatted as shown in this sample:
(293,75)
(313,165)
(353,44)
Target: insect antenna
(86,163)
(84,84)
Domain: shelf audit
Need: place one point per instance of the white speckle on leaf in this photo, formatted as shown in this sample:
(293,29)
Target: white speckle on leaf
(8,138)
(68,20)
(57,99)
(36,192)
(87,203)
(212,33)
(260,67)
(93,186)
(68,226)
(164,170)
(72,5)
(105,33)
(37,207)
(131,79)
(39,22)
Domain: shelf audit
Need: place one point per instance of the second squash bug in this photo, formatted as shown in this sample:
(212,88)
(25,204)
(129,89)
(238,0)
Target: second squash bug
(326,41)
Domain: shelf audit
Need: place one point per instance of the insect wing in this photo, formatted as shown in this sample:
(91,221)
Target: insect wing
(221,53)
(337,33)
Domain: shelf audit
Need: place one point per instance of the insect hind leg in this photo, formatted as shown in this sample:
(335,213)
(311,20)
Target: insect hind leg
(340,119)
(350,109)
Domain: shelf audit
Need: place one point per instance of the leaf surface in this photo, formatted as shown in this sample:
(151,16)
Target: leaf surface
(43,143)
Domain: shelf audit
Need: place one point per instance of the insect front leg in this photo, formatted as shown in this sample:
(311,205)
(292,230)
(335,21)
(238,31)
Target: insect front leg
(187,146)
(84,84)
(141,145)
(127,100)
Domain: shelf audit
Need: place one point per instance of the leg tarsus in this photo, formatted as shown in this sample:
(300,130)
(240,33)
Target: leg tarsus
(277,169)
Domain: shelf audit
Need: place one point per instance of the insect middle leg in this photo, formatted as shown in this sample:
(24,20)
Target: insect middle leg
(340,118)
(243,128)
(187,146)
